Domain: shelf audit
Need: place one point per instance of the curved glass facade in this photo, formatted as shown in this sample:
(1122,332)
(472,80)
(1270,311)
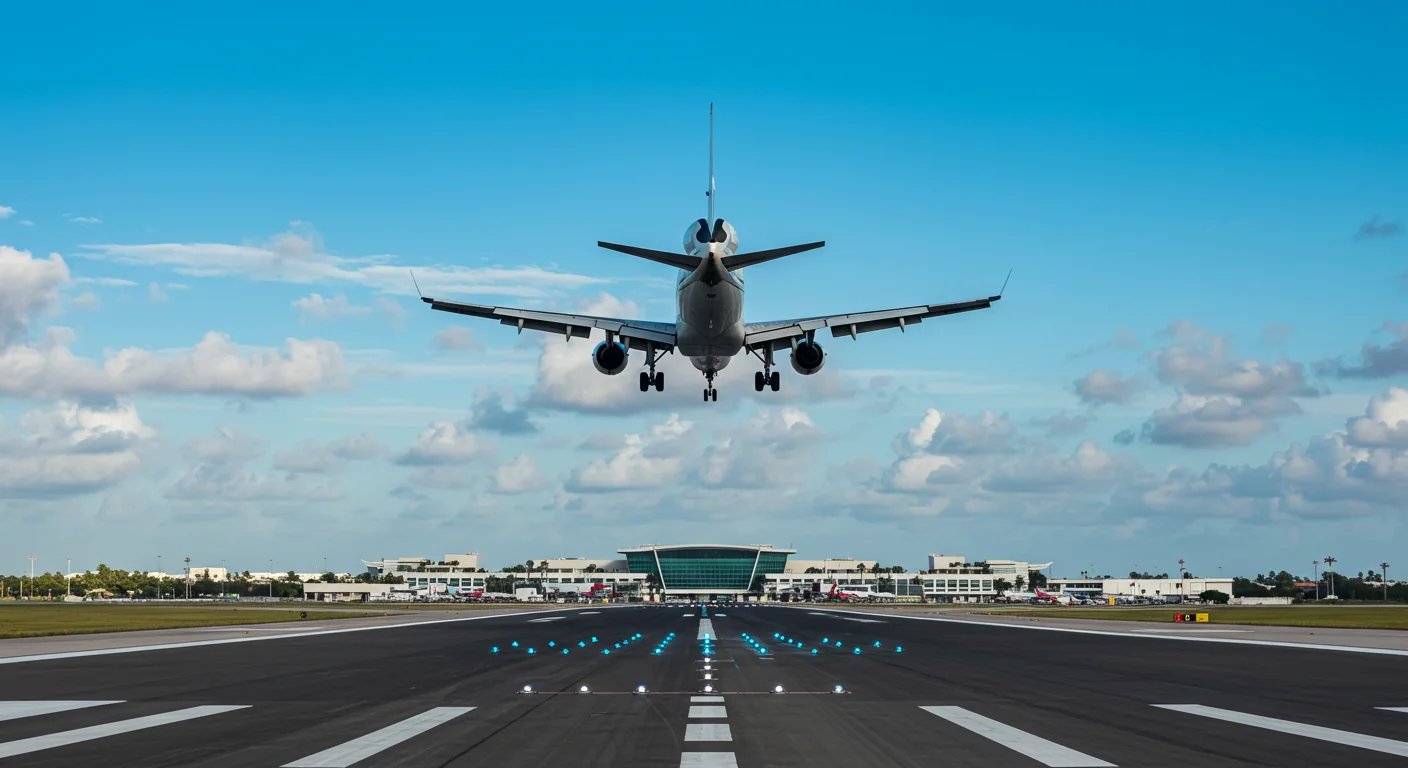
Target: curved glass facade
(707,568)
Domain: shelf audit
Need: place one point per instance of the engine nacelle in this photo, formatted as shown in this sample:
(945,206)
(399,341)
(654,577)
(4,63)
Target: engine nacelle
(808,358)
(699,235)
(609,357)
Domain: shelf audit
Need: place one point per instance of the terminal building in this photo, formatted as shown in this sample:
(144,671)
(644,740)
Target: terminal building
(1151,589)
(697,572)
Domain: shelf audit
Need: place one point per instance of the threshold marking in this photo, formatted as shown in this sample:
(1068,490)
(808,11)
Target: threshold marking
(1349,738)
(361,748)
(13,710)
(705,711)
(707,732)
(706,699)
(708,760)
(547,618)
(688,614)
(1048,753)
(64,738)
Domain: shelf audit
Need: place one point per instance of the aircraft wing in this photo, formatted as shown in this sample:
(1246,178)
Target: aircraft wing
(634,333)
(781,334)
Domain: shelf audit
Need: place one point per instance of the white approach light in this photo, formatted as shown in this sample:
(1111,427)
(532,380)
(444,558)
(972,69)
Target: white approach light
(838,689)
(527,689)
(706,659)
(583,689)
(778,689)
(641,689)
(708,689)
(708,676)
(707,667)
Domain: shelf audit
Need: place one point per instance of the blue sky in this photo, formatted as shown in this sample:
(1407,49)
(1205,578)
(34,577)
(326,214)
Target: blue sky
(1203,210)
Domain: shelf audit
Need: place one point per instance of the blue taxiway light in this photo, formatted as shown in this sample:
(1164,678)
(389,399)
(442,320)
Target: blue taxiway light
(564,651)
(618,645)
(899,649)
(838,643)
(857,651)
(515,643)
(824,640)
(495,649)
(552,643)
(605,651)
(813,650)
(581,644)
(877,643)
(531,651)
(593,638)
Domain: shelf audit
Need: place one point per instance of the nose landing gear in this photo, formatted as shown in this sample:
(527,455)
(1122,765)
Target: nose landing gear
(710,394)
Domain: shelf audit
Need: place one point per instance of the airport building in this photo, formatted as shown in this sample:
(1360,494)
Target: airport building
(707,571)
(1152,589)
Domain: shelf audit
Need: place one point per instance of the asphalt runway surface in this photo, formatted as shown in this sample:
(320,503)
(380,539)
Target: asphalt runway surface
(918,693)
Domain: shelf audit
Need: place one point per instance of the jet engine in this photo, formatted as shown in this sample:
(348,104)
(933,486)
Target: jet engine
(609,357)
(808,358)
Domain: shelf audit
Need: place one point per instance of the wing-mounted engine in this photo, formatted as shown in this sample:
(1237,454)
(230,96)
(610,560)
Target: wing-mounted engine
(609,357)
(808,358)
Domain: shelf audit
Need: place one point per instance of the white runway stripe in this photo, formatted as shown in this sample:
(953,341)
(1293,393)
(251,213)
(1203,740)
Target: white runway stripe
(13,710)
(1390,709)
(708,760)
(64,738)
(364,747)
(707,732)
(701,711)
(549,618)
(706,699)
(706,629)
(1047,753)
(1363,741)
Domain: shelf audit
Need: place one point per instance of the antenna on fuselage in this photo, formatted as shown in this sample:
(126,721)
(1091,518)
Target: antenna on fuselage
(710,192)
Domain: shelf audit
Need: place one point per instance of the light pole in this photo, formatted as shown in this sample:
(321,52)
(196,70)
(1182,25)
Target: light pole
(271,578)
(1383,567)
(159,574)
(1316,563)
(188,578)
(31,577)
(224,578)
(68,579)
(1329,561)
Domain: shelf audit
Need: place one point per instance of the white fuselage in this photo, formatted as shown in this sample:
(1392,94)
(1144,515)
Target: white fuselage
(710,326)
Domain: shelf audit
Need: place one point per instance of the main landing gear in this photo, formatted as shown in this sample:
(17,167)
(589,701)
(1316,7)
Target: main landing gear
(710,394)
(766,377)
(657,380)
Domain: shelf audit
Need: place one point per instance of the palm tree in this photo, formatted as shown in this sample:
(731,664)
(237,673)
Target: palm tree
(1383,567)
(1329,561)
(1020,581)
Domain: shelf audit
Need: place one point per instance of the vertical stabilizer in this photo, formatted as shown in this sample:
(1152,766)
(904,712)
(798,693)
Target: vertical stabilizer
(710,192)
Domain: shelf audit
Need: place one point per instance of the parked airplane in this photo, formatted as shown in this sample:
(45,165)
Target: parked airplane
(1046,597)
(864,592)
(709,326)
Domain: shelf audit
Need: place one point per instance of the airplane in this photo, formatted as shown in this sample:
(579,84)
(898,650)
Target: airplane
(1046,597)
(858,593)
(709,327)
(1019,597)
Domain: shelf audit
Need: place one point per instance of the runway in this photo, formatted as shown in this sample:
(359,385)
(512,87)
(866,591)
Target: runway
(917,693)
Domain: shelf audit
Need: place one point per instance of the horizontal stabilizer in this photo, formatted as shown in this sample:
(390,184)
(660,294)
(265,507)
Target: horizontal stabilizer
(682,260)
(741,260)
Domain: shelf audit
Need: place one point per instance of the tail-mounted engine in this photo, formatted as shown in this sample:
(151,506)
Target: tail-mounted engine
(699,235)
(808,358)
(609,357)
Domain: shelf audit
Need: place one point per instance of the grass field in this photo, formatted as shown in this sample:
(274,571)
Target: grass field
(41,619)
(1344,616)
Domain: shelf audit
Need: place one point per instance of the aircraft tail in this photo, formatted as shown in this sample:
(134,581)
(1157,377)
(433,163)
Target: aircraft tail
(709,193)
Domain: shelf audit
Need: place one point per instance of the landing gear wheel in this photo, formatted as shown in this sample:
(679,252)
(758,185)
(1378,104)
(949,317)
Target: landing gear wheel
(775,381)
(714,395)
(706,395)
(758,381)
(660,382)
(644,381)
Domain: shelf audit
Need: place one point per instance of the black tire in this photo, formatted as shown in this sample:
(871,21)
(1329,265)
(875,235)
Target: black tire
(706,395)
(644,381)
(758,381)
(714,395)
(776,381)
(660,382)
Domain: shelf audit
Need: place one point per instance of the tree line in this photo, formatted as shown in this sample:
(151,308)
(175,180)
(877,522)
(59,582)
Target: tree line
(108,582)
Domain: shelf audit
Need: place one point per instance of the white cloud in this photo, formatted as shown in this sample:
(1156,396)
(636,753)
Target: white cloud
(315,307)
(645,461)
(771,450)
(1201,363)
(219,473)
(298,256)
(85,300)
(446,442)
(458,337)
(1100,386)
(26,223)
(83,219)
(111,282)
(519,476)
(1385,422)
(28,287)
(72,449)
(215,366)
(1221,420)
(314,458)
(6,211)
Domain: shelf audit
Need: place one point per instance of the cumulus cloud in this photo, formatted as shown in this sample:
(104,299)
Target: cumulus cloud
(519,476)
(6,211)
(646,460)
(315,307)
(459,338)
(1061,425)
(491,415)
(299,256)
(772,449)
(215,366)
(1202,363)
(1214,421)
(219,472)
(1377,360)
(1374,229)
(316,458)
(85,300)
(445,442)
(28,287)
(1100,387)
(950,433)
(72,450)
(1385,422)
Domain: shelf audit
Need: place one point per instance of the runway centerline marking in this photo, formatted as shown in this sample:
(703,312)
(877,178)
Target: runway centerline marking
(546,618)
(708,760)
(697,712)
(13,710)
(707,732)
(228,640)
(64,738)
(1127,633)
(1350,738)
(589,613)
(363,747)
(1048,753)
(1390,709)
(706,699)
(706,629)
